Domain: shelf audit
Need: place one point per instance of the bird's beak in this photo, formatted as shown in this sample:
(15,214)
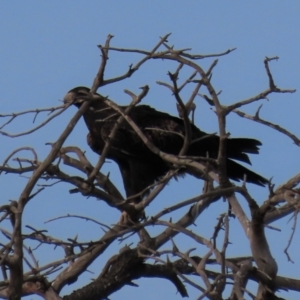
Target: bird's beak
(76,96)
(70,98)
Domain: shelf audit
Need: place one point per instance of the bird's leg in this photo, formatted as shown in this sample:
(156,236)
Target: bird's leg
(127,219)
(133,217)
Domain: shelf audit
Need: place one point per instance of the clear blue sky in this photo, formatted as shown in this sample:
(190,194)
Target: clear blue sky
(49,47)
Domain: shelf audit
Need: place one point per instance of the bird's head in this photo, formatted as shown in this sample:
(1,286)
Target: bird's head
(77,95)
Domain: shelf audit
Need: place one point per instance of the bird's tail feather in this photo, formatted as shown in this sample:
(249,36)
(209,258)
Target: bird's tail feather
(238,147)
(238,172)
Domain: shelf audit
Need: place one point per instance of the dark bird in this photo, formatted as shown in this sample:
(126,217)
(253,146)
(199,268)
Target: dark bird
(139,166)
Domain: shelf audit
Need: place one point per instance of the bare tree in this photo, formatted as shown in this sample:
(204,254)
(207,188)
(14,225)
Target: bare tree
(151,256)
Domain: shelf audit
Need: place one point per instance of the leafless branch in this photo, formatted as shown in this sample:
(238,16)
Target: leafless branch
(136,262)
(256,118)
(62,109)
